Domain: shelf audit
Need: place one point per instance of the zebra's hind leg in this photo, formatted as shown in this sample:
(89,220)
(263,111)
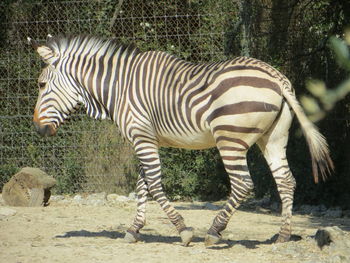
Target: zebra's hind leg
(132,234)
(273,145)
(235,162)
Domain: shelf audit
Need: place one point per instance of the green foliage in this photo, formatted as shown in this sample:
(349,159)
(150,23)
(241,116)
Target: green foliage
(6,171)
(72,177)
(261,175)
(110,164)
(329,97)
(318,107)
(197,175)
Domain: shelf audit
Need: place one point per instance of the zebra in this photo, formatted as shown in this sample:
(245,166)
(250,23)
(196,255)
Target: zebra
(159,100)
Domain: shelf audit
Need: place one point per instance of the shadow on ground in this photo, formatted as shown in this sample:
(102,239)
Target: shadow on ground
(316,221)
(149,238)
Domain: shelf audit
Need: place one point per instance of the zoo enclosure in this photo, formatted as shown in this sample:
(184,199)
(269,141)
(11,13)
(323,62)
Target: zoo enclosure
(88,155)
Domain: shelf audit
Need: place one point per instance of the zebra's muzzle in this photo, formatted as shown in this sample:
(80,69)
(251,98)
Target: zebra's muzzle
(45,130)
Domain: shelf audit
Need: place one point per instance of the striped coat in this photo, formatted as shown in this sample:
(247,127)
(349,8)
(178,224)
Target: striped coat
(158,100)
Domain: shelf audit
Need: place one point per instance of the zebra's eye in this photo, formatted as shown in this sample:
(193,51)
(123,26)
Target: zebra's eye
(42,85)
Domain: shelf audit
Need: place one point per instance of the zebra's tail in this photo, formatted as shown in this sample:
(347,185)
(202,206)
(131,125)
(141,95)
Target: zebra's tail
(320,156)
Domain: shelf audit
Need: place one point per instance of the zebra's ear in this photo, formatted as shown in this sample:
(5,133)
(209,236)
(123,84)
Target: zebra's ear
(48,55)
(32,42)
(48,37)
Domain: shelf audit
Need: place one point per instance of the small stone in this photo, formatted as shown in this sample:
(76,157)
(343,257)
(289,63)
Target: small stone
(57,198)
(6,212)
(330,235)
(275,206)
(305,209)
(97,199)
(274,248)
(77,198)
(322,208)
(263,202)
(133,196)
(99,196)
(346,213)
(122,198)
(333,213)
(112,197)
(117,198)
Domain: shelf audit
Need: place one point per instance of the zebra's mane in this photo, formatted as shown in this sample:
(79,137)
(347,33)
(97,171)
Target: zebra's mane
(63,45)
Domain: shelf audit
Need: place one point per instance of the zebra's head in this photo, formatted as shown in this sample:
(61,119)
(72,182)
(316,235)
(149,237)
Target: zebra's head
(58,96)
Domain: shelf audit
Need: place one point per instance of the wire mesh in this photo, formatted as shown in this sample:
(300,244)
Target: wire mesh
(194,30)
(87,154)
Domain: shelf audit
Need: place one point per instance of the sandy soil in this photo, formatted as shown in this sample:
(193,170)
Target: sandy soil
(81,233)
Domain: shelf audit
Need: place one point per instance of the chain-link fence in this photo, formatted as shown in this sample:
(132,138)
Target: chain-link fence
(88,154)
(282,33)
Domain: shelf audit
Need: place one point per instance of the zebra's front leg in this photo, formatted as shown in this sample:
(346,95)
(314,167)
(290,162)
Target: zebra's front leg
(149,157)
(132,234)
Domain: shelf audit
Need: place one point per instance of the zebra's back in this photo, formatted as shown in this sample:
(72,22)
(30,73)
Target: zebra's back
(185,103)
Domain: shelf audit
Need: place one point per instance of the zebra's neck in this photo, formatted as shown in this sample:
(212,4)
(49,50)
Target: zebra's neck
(100,71)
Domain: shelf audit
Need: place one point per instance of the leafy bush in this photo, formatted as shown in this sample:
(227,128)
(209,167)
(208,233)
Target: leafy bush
(193,174)
(109,161)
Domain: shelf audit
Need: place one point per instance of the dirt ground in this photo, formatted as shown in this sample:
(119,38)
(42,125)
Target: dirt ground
(68,232)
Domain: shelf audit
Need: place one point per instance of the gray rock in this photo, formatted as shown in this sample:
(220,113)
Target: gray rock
(314,210)
(97,196)
(262,202)
(112,197)
(333,212)
(336,240)
(29,187)
(78,199)
(122,198)
(275,206)
(56,198)
(322,208)
(96,199)
(305,209)
(133,196)
(346,213)
(318,210)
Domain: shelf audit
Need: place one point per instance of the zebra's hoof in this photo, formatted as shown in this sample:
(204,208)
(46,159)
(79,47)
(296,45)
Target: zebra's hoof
(131,237)
(211,239)
(186,236)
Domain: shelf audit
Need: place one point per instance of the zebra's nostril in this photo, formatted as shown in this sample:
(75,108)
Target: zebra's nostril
(37,126)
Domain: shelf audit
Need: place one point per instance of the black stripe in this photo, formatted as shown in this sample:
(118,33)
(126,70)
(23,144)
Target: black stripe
(232,128)
(229,139)
(242,108)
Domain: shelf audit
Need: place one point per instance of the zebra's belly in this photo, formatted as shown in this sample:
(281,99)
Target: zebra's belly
(197,141)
